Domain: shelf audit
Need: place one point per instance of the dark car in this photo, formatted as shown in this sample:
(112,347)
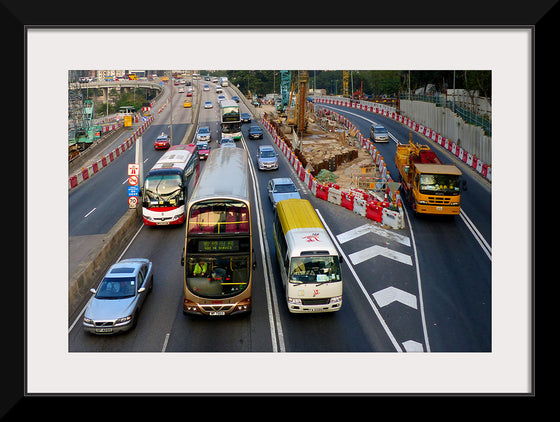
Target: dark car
(255,132)
(245,118)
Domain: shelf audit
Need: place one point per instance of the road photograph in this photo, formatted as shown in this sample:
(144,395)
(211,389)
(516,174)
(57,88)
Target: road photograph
(338,225)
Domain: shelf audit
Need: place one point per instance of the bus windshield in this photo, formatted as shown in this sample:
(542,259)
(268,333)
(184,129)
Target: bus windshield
(445,184)
(217,277)
(230,114)
(164,190)
(314,269)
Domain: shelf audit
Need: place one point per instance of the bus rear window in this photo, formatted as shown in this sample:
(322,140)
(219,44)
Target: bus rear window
(218,217)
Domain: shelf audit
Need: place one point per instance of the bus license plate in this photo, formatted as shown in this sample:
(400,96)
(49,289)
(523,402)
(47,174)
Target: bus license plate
(439,208)
(104,330)
(217,313)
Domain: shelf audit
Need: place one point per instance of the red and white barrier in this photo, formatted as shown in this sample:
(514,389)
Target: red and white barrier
(354,199)
(86,173)
(482,168)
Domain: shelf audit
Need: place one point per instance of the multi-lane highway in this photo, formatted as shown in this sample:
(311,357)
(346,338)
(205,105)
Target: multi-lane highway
(427,287)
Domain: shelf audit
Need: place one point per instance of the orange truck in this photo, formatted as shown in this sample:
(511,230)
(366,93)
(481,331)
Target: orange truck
(430,186)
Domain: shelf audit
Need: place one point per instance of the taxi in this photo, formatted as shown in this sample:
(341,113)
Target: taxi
(162,141)
(187,104)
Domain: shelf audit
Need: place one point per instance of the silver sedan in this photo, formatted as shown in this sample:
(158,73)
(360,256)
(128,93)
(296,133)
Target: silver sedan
(119,297)
(281,188)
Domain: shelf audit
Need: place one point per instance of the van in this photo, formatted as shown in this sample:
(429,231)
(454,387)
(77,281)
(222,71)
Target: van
(378,133)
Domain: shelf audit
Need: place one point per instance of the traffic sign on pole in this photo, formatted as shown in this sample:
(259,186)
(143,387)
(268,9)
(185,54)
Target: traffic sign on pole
(133,190)
(133,169)
(132,201)
(133,180)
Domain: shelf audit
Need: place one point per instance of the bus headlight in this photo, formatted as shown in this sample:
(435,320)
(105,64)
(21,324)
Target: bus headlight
(336,299)
(294,301)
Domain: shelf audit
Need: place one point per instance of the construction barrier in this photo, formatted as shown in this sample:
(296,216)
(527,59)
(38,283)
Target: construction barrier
(373,206)
(334,196)
(484,169)
(347,200)
(85,173)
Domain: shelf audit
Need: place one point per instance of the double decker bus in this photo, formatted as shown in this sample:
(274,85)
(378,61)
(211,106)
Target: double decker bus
(218,252)
(308,260)
(231,119)
(167,184)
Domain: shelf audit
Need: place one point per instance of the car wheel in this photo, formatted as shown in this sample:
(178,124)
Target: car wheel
(134,320)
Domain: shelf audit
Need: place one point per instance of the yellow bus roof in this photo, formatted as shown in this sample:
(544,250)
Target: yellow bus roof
(297,214)
(303,230)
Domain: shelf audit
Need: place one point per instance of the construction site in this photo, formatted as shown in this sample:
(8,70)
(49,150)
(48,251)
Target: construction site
(326,148)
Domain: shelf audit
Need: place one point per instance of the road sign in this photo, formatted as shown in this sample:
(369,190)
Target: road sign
(132,201)
(132,180)
(133,190)
(133,169)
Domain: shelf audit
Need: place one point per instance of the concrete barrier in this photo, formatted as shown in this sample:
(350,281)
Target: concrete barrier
(89,272)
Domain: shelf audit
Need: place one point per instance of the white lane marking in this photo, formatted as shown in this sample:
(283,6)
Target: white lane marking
(375,250)
(276,331)
(165,343)
(90,212)
(419,279)
(361,286)
(476,234)
(372,228)
(413,346)
(391,294)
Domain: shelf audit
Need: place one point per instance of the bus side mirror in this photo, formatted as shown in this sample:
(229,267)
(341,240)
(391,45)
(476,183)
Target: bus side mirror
(464,185)
(183,258)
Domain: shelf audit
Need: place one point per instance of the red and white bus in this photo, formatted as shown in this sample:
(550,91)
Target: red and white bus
(167,185)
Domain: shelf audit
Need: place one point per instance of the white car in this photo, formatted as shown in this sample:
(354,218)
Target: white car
(208,104)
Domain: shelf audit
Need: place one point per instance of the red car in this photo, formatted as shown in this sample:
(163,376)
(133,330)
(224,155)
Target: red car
(203,149)
(162,142)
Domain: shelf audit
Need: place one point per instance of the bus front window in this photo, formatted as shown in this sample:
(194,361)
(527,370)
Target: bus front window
(163,191)
(314,269)
(217,277)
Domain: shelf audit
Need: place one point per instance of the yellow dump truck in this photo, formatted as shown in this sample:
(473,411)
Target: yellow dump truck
(430,186)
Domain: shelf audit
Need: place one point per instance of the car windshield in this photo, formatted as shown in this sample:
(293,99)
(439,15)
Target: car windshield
(255,128)
(380,131)
(204,130)
(314,269)
(284,188)
(202,145)
(116,288)
(267,153)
